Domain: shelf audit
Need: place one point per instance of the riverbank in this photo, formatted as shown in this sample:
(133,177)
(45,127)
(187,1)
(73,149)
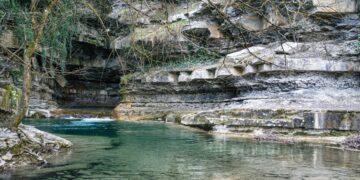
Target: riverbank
(157,150)
(28,146)
(332,141)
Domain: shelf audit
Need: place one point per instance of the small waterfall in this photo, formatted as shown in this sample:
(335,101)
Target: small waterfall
(319,120)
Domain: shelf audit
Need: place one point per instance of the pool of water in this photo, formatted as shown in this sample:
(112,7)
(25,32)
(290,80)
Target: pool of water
(106,149)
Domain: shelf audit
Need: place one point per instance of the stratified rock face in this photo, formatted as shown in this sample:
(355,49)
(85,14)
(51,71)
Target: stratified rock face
(41,99)
(298,56)
(297,86)
(311,83)
(97,82)
(84,94)
(9,92)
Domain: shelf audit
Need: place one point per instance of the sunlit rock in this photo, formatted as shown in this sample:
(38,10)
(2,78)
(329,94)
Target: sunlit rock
(199,74)
(335,6)
(184,76)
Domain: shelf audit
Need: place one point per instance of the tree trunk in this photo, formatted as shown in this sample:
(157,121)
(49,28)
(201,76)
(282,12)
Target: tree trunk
(26,89)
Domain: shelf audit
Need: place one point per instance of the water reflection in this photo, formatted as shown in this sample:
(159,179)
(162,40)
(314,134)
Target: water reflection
(127,150)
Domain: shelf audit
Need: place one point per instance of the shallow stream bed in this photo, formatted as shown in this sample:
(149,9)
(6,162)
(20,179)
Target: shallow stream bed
(106,149)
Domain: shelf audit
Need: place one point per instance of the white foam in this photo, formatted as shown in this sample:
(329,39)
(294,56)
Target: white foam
(70,117)
(97,119)
(221,129)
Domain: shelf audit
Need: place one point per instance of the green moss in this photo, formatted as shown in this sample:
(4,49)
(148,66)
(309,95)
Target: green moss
(18,148)
(122,91)
(125,79)
(199,57)
(300,133)
(16,74)
(6,100)
(10,97)
(337,133)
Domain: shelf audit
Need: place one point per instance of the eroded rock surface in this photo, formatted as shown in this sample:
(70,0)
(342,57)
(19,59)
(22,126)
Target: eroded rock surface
(28,146)
(310,84)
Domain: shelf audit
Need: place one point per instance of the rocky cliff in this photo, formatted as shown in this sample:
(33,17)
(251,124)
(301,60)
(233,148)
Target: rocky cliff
(214,63)
(92,73)
(292,71)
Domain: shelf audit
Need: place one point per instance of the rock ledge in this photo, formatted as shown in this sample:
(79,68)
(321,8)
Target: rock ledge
(28,146)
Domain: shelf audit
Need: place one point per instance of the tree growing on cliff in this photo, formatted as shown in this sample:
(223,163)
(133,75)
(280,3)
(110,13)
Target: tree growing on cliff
(35,29)
(37,26)
(44,30)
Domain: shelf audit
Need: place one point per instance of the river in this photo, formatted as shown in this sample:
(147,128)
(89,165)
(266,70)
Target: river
(107,149)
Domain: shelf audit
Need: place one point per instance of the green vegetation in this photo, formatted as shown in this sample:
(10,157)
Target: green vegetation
(16,74)
(200,57)
(146,59)
(10,97)
(55,42)
(337,133)
(125,79)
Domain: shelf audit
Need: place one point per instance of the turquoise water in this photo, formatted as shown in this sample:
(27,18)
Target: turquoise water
(129,150)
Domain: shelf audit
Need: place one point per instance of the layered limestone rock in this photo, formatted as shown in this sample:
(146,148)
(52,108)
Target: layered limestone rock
(41,98)
(97,82)
(305,53)
(290,85)
(91,75)
(310,82)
